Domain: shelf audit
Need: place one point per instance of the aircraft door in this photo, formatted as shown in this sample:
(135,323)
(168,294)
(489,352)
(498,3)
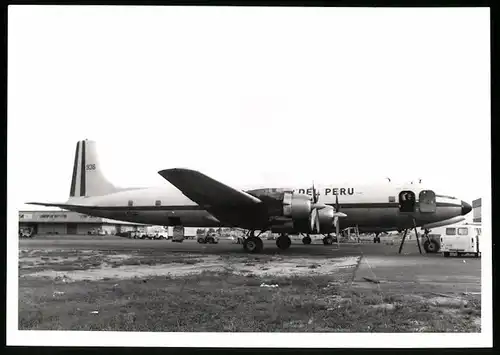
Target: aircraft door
(407,201)
(427,201)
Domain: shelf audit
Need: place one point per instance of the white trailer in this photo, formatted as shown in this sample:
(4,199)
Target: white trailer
(460,239)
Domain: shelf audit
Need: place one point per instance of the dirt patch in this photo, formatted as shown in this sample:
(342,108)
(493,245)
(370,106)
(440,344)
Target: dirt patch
(96,266)
(296,266)
(452,302)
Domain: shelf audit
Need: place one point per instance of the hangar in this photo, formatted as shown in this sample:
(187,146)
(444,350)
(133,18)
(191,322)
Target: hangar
(66,222)
(476,210)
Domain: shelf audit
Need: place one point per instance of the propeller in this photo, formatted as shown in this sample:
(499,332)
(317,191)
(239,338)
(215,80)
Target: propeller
(316,206)
(314,218)
(315,198)
(336,216)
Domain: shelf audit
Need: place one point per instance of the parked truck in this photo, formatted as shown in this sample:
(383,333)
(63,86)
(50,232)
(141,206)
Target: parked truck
(26,232)
(155,232)
(209,238)
(178,234)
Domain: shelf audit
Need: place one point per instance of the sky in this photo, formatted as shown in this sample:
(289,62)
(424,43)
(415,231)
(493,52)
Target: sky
(249,95)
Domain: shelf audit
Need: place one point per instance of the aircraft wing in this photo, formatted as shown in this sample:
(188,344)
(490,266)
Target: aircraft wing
(206,191)
(225,203)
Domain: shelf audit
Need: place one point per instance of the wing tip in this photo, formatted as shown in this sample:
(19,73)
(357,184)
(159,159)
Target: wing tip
(168,172)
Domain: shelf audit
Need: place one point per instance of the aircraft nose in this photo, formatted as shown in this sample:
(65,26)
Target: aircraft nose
(466,208)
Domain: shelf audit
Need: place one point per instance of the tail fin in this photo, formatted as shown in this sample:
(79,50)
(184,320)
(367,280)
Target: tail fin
(88,179)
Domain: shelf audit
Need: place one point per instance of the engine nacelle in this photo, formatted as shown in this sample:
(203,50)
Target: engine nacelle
(326,217)
(296,206)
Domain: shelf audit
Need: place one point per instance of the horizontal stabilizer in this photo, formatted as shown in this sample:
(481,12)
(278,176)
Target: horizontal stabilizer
(61,205)
(64,206)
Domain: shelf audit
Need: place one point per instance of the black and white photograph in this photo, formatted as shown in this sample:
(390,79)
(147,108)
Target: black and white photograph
(262,177)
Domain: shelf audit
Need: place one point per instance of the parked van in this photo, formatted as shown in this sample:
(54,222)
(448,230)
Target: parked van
(461,239)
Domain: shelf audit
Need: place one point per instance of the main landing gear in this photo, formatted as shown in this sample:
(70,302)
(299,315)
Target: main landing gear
(283,242)
(252,243)
(328,240)
(307,240)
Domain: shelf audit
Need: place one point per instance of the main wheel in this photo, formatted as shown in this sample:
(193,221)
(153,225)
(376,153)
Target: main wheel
(201,240)
(253,244)
(446,254)
(306,240)
(283,242)
(327,240)
(431,246)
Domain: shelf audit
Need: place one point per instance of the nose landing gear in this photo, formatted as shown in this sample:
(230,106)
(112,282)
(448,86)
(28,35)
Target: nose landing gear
(430,245)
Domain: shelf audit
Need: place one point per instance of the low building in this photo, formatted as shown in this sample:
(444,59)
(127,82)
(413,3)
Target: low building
(476,210)
(66,222)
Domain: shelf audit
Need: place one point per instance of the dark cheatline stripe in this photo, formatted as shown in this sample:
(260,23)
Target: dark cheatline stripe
(83,172)
(73,179)
(444,196)
(196,207)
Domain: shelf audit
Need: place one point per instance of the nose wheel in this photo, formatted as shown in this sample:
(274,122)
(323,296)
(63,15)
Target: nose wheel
(430,245)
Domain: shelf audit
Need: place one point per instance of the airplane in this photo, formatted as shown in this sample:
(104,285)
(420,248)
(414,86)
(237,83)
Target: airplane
(193,199)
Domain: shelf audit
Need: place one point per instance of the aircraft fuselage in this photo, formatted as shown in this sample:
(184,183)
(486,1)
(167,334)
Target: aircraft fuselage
(376,206)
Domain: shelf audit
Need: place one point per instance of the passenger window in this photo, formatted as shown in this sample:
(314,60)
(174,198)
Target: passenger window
(463,231)
(450,231)
(157,203)
(130,203)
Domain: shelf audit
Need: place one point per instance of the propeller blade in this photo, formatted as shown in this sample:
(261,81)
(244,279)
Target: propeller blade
(318,206)
(315,197)
(337,206)
(337,230)
(318,227)
(314,221)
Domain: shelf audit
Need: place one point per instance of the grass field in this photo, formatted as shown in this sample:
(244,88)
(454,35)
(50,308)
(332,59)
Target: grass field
(84,290)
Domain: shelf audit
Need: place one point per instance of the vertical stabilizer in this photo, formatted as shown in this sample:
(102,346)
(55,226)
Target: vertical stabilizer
(88,179)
